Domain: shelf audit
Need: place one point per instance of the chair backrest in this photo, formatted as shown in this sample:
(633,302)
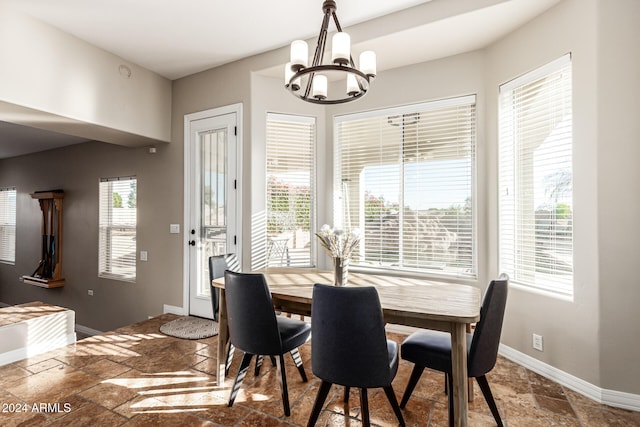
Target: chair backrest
(349,345)
(253,327)
(217,266)
(483,350)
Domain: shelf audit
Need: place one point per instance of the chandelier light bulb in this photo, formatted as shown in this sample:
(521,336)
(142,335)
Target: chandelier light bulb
(319,86)
(368,63)
(341,48)
(299,54)
(352,85)
(288,73)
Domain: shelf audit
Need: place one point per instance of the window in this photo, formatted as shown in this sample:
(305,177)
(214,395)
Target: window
(536,179)
(405,177)
(117,224)
(290,189)
(8,225)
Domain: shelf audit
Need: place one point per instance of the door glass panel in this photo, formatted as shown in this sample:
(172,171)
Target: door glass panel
(213,227)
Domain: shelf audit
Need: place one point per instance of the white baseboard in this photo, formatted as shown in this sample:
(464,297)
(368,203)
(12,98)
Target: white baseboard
(87,331)
(38,348)
(614,398)
(174,310)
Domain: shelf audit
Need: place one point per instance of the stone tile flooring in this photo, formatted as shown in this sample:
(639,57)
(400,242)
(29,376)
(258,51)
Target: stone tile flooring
(135,376)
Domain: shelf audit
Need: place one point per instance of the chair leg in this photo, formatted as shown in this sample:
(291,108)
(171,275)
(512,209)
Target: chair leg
(282,376)
(273,360)
(364,407)
(323,392)
(295,355)
(411,385)
(256,371)
(449,379)
(488,396)
(346,394)
(230,352)
(394,404)
(242,372)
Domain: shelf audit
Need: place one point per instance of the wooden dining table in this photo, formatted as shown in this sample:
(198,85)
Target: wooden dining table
(406,301)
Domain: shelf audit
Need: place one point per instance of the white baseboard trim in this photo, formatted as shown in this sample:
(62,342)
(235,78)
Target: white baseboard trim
(614,398)
(87,331)
(173,310)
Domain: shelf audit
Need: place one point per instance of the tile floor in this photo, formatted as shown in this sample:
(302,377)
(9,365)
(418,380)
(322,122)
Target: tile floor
(135,376)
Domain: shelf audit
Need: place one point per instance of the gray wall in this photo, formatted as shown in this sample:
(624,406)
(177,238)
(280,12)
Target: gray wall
(591,337)
(77,170)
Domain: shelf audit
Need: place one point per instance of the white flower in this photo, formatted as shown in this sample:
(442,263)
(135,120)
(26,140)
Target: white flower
(338,242)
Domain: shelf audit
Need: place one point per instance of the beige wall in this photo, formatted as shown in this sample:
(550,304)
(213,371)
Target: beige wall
(63,84)
(591,337)
(618,208)
(570,328)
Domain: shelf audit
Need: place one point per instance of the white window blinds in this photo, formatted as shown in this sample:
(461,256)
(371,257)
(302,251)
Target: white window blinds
(405,177)
(8,225)
(290,189)
(117,228)
(536,179)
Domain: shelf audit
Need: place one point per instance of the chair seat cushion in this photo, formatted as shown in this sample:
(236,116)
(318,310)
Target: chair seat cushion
(430,349)
(293,332)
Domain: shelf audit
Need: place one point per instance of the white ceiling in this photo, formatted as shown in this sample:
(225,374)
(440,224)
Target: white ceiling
(178,38)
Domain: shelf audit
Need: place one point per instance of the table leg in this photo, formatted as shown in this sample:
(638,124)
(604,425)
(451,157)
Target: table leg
(459,365)
(223,334)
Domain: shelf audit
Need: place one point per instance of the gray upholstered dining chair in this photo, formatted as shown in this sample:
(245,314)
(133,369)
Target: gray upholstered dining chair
(217,266)
(255,329)
(350,347)
(432,349)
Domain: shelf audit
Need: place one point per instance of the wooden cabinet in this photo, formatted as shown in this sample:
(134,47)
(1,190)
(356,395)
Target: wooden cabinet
(48,274)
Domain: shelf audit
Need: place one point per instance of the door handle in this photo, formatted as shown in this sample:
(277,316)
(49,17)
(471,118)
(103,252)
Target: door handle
(192,242)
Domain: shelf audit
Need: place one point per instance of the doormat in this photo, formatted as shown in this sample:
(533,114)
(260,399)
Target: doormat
(190,328)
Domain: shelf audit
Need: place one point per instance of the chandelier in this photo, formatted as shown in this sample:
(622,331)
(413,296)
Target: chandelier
(314,78)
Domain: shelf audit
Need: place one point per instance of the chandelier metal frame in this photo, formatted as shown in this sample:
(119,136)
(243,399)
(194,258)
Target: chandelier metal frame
(348,67)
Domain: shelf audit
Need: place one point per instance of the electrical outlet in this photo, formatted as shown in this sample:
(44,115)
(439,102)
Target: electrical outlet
(90,292)
(143,255)
(537,342)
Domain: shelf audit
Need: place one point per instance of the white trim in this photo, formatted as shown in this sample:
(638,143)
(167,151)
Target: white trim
(614,398)
(87,331)
(188,118)
(173,310)
(409,108)
(538,73)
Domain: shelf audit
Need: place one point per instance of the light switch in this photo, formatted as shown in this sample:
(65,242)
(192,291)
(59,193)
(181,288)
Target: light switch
(143,255)
(174,228)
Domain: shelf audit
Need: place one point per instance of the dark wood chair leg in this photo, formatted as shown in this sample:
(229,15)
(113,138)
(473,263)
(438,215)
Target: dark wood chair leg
(364,407)
(488,396)
(295,355)
(256,371)
(323,392)
(242,372)
(346,394)
(411,385)
(394,404)
(230,352)
(449,379)
(282,376)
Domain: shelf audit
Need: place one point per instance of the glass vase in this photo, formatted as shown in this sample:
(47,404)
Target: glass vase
(340,271)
